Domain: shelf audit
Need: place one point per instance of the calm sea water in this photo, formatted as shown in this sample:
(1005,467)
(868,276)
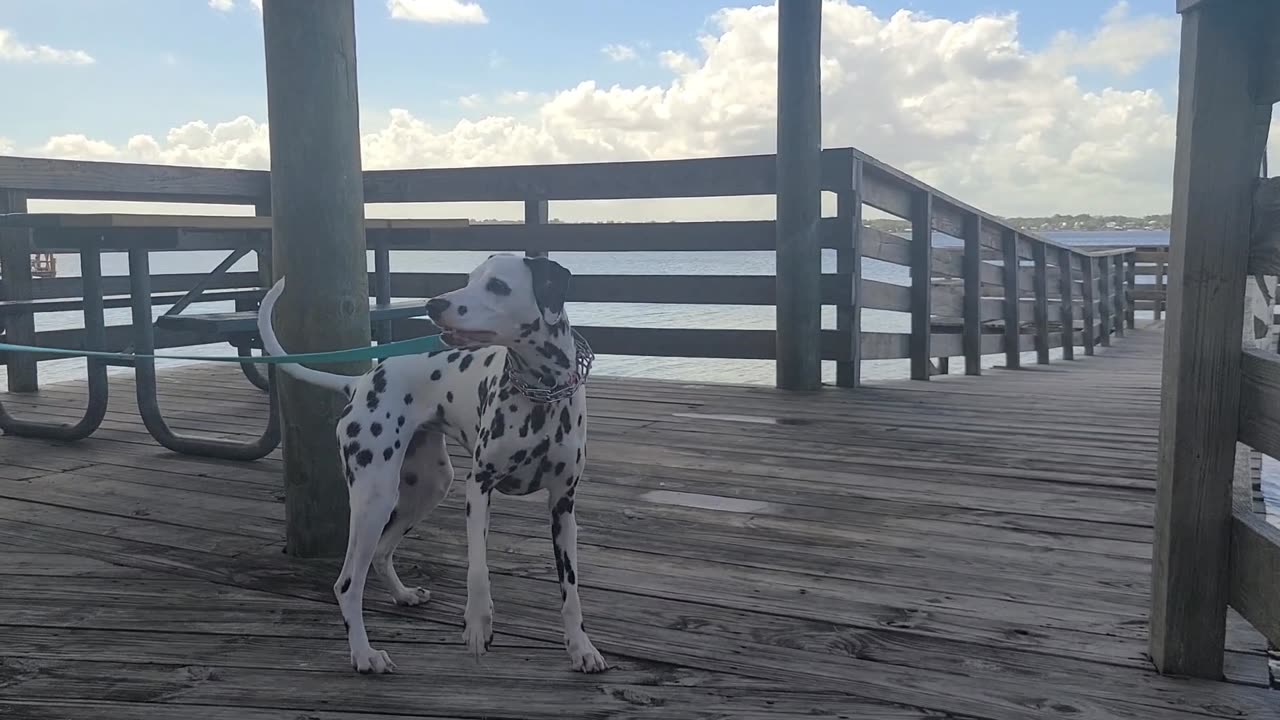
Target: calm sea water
(618,314)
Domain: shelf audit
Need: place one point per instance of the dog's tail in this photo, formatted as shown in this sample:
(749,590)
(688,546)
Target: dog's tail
(332,381)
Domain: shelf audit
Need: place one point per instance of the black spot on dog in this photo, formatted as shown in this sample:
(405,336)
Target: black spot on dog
(353,429)
(513,407)
(371,400)
(489,360)
(466,363)
(468,508)
(351,477)
(346,585)
(376,429)
(541,448)
(559,469)
(435,375)
(530,328)
(400,421)
(499,425)
(386,454)
(408,398)
(350,449)
(380,381)
(397,445)
(566,425)
(579,420)
(579,459)
(462,310)
(346,411)
(448,397)
(453,356)
(410,478)
(518,456)
(439,412)
(555,354)
(364,457)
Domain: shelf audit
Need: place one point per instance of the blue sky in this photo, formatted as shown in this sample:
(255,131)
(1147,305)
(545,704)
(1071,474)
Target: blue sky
(160,63)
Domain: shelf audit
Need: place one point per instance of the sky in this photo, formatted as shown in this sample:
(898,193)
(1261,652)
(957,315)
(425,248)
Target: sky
(1016,106)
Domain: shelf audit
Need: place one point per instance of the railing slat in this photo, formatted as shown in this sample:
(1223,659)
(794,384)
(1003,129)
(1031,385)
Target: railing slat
(1253,588)
(1260,401)
(1012,299)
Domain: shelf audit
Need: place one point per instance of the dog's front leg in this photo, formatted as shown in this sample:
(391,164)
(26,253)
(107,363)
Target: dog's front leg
(478,616)
(564,541)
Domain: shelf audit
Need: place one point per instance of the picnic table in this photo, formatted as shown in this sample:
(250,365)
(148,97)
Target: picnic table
(91,234)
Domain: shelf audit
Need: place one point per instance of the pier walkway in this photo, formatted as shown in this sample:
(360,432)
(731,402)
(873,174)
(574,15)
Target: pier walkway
(969,547)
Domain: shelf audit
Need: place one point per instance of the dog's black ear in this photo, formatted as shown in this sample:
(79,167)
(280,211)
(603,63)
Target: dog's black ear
(550,284)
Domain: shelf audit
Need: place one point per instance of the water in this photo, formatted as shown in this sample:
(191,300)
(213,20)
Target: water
(619,314)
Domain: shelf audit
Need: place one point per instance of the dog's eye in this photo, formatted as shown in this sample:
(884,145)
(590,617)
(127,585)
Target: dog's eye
(497,287)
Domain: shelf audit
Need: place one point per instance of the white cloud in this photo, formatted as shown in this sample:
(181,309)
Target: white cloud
(961,104)
(1123,44)
(437,11)
(6,146)
(619,53)
(11,50)
(229,5)
(469,101)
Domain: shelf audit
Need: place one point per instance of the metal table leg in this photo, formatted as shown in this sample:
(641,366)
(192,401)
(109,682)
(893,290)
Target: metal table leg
(95,339)
(148,402)
(251,370)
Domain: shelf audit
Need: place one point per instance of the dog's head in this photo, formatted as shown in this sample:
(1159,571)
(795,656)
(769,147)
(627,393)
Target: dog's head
(506,297)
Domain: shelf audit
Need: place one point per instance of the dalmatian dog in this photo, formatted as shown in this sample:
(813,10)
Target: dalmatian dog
(510,389)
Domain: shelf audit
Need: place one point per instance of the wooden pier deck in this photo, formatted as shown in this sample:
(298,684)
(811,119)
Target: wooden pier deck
(971,547)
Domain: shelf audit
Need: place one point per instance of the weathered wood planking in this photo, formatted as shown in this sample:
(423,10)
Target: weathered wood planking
(1215,166)
(1254,584)
(1260,401)
(1264,252)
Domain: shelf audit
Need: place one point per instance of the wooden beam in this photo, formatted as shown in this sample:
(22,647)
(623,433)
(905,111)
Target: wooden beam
(1105,298)
(1254,585)
(849,247)
(15,269)
(1012,314)
(799,206)
(1118,289)
(1267,84)
(1066,309)
(972,236)
(1264,250)
(1042,303)
(318,222)
(1260,401)
(1214,171)
(921,284)
(1088,305)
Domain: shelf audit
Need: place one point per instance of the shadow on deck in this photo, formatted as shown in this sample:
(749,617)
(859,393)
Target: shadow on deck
(968,547)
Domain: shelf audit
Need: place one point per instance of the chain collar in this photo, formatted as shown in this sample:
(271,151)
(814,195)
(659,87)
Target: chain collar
(515,373)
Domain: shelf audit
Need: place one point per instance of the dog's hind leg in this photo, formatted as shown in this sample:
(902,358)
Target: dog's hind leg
(477,632)
(425,477)
(373,497)
(564,539)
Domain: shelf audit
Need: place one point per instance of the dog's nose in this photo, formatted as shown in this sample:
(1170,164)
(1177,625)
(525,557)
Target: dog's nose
(436,307)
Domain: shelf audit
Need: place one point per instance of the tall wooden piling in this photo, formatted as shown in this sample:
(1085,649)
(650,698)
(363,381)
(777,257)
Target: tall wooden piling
(799,251)
(317,202)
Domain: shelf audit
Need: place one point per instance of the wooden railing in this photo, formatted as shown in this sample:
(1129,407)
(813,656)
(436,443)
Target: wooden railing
(1002,292)
(1221,386)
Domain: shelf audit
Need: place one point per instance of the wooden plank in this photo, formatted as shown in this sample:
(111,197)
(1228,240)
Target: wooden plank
(84,180)
(799,198)
(1260,401)
(1264,250)
(1254,577)
(972,295)
(317,220)
(1090,338)
(1012,300)
(15,268)
(921,286)
(1106,299)
(1066,305)
(1266,89)
(851,234)
(1121,308)
(1040,258)
(1214,171)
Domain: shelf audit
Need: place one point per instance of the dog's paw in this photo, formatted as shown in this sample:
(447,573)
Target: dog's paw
(584,657)
(478,634)
(411,596)
(372,661)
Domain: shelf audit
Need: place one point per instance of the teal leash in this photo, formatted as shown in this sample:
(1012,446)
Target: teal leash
(412,346)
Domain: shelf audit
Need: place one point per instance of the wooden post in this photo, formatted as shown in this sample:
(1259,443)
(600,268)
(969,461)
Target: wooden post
(1105,298)
(536,212)
(1041,281)
(921,283)
(1214,168)
(799,196)
(1160,291)
(1118,286)
(1012,300)
(1130,285)
(317,199)
(15,269)
(849,267)
(1066,311)
(1089,306)
(971,265)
